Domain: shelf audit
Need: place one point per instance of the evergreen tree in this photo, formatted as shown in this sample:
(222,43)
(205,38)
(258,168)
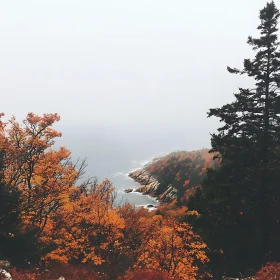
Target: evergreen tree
(240,201)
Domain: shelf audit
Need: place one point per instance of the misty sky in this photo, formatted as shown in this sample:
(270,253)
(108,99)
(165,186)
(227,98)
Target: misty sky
(122,62)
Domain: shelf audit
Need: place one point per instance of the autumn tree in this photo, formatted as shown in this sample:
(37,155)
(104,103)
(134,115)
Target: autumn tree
(239,202)
(176,249)
(87,228)
(78,224)
(138,230)
(42,176)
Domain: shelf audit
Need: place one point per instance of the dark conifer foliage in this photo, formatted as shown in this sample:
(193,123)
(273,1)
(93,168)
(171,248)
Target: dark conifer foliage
(15,246)
(240,201)
(8,216)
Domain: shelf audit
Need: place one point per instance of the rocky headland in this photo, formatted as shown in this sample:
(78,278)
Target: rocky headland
(150,186)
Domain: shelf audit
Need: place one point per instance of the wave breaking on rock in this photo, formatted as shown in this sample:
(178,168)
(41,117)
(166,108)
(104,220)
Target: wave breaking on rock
(151,186)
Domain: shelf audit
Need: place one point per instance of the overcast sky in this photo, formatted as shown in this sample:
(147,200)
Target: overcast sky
(118,62)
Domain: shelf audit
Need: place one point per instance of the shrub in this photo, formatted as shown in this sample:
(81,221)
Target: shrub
(147,274)
(69,272)
(270,271)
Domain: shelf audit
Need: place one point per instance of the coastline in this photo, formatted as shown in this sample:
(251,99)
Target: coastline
(141,190)
(150,186)
(151,205)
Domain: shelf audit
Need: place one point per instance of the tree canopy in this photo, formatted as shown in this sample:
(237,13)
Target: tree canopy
(241,199)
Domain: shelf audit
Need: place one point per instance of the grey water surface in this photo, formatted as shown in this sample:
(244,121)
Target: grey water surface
(112,152)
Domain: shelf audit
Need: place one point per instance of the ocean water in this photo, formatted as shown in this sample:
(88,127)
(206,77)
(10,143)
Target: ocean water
(114,151)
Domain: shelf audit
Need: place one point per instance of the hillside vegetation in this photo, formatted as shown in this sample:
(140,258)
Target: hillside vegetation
(217,218)
(182,170)
(49,219)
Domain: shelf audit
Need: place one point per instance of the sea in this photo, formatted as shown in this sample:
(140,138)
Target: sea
(113,151)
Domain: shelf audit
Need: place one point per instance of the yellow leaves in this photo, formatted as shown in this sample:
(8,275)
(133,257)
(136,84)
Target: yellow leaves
(44,177)
(97,260)
(95,232)
(157,218)
(55,256)
(193,213)
(175,248)
(91,226)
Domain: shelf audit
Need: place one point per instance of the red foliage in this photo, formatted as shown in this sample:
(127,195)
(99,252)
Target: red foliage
(186,183)
(183,170)
(270,271)
(147,274)
(78,272)
(25,275)
(152,169)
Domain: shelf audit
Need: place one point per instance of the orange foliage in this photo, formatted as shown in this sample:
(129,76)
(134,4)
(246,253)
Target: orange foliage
(80,224)
(175,249)
(42,175)
(86,228)
(162,242)
(140,226)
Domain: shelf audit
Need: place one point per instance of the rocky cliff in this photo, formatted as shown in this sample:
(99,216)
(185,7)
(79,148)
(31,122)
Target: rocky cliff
(150,186)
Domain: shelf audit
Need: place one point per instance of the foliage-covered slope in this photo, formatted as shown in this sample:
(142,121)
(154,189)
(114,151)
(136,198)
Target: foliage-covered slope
(48,218)
(183,170)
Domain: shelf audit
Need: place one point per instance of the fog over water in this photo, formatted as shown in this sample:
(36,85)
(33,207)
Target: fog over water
(112,152)
(130,79)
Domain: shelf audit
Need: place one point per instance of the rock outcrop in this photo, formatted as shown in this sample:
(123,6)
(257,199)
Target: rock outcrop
(5,274)
(128,190)
(4,266)
(150,186)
